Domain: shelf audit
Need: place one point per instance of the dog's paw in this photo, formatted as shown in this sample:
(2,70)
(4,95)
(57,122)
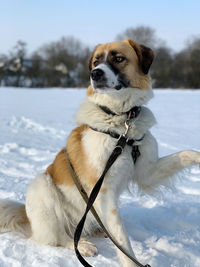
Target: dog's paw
(190,157)
(87,248)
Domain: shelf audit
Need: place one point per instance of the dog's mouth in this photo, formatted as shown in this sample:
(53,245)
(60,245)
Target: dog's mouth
(105,86)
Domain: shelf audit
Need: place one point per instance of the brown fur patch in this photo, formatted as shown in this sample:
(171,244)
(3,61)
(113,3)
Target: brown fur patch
(90,91)
(23,217)
(114,211)
(78,157)
(103,190)
(58,169)
(92,56)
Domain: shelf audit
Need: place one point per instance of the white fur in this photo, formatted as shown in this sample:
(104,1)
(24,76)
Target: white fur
(54,211)
(122,100)
(105,122)
(110,76)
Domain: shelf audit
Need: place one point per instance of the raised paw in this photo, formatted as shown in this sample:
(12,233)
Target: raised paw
(86,248)
(190,157)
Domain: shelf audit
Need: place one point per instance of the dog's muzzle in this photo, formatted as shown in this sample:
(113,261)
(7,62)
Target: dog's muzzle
(103,78)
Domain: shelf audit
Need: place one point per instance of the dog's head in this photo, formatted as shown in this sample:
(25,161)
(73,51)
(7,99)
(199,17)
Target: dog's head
(119,65)
(118,70)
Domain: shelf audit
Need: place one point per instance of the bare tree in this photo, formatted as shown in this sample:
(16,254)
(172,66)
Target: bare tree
(142,34)
(185,68)
(193,63)
(19,50)
(17,56)
(3,63)
(161,68)
(65,62)
(193,43)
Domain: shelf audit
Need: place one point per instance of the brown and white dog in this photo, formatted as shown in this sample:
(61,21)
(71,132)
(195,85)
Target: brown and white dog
(54,206)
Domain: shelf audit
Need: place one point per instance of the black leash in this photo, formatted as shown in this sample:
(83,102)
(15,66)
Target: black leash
(115,154)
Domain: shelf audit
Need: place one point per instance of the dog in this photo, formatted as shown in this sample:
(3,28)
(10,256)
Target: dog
(120,81)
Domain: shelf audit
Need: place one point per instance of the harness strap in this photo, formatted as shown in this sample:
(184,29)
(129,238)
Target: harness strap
(89,201)
(115,135)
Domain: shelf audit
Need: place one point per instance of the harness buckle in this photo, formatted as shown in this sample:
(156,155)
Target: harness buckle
(127,124)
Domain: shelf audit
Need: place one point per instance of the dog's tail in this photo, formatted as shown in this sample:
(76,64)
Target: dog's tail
(13,217)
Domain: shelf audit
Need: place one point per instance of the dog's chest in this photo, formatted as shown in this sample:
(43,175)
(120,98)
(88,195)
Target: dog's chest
(98,148)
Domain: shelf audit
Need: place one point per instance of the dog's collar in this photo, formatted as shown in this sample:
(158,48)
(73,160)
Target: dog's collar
(132,113)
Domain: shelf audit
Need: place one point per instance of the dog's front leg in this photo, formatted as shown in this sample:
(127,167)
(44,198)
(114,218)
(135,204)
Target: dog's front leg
(109,214)
(152,171)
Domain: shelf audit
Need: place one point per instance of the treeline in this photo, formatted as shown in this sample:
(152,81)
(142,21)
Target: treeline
(64,63)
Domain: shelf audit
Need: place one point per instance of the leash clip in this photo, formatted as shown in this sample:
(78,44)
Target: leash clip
(127,125)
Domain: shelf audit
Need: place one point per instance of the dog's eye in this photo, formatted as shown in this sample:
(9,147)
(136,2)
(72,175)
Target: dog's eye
(119,59)
(96,62)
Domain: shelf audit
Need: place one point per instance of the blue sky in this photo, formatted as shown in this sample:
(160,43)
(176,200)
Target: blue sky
(40,21)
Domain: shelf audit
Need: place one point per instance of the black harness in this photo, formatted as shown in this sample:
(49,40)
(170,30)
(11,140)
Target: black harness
(133,113)
(135,150)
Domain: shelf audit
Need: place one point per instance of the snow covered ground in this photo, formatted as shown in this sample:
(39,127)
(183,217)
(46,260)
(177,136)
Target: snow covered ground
(164,231)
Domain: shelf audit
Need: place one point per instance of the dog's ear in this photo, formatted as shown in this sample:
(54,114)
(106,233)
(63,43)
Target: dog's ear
(91,58)
(145,55)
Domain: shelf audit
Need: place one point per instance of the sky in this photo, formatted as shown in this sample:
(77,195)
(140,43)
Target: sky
(38,22)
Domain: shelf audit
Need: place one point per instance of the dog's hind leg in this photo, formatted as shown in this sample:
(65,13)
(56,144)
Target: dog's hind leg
(151,171)
(43,208)
(45,213)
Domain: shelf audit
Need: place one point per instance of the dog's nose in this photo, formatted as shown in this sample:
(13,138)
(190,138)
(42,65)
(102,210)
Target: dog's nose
(96,74)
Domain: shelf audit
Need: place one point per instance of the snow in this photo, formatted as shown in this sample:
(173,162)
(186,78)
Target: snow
(164,230)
